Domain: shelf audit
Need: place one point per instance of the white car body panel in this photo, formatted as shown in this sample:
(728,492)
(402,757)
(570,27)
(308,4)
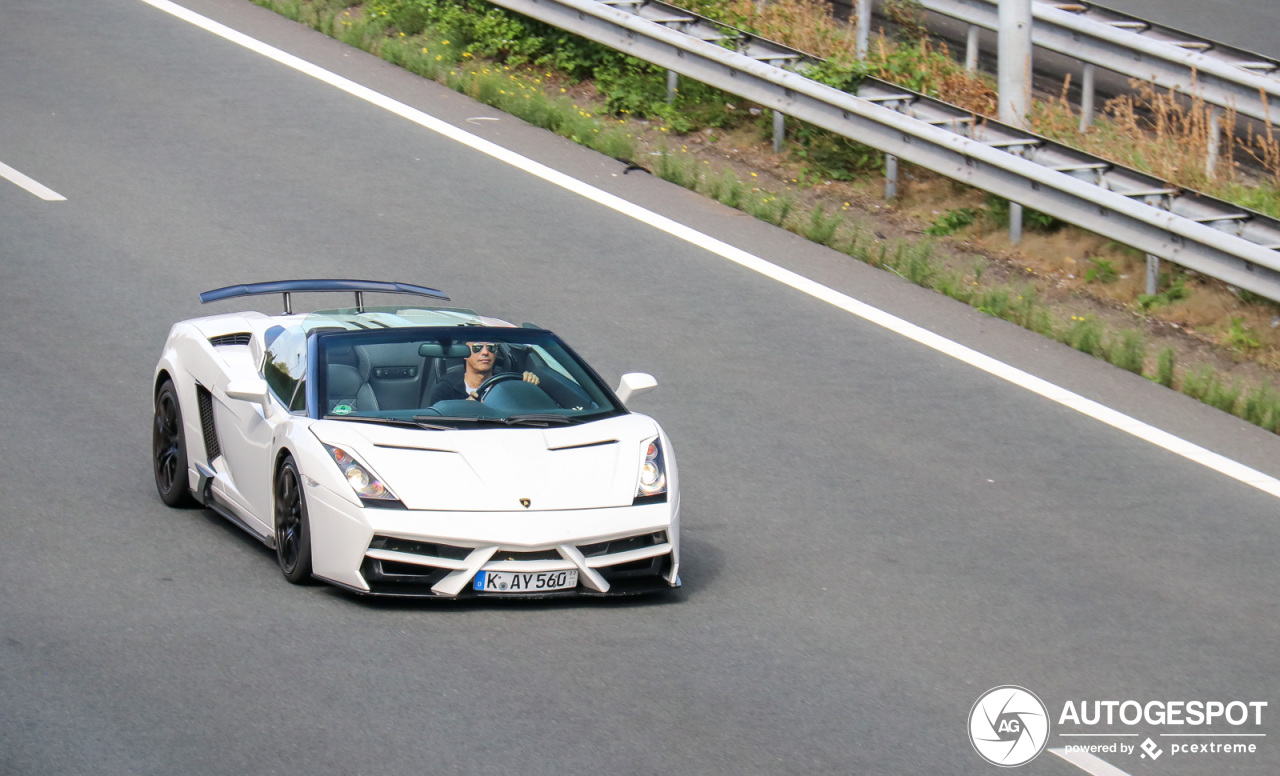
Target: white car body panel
(561,467)
(486,494)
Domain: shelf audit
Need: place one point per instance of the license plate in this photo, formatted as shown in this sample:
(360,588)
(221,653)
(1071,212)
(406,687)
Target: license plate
(518,582)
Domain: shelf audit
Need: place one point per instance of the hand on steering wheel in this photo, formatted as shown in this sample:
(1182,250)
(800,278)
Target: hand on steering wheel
(483,389)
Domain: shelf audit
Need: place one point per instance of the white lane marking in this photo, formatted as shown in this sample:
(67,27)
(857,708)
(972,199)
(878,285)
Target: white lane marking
(874,315)
(1089,763)
(30,184)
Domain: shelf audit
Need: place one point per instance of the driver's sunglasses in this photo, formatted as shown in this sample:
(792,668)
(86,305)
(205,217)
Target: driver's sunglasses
(476,347)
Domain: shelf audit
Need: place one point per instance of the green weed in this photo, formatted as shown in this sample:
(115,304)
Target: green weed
(676,168)
(1130,353)
(994,302)
(1260,406)
(1241,338)
(1198,383)
(1085,334)
(1100,272)
(1222,396)
(821,227)
(955,285)
(859,244)
(917,263)
(1177,289)
(998,211)
(1164,367)
(951,222)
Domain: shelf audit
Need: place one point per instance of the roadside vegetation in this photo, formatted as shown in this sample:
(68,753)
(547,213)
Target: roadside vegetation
(1215,344)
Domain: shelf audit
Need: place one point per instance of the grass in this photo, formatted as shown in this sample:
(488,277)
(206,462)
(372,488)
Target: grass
(821,228)
(1165,367)
(1086,335)
(1130,352)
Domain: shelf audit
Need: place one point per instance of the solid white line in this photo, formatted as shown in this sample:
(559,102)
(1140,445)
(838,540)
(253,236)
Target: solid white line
(879,317)
(30,184)
(1089,763)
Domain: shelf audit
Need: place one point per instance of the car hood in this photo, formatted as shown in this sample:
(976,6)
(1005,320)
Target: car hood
(586,466)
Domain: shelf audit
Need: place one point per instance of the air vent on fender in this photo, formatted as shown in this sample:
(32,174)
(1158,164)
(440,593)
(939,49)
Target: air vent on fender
(238,338)
(204,400)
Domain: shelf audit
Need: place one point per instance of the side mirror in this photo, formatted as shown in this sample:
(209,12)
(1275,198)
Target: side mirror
(251,390)
(635,384)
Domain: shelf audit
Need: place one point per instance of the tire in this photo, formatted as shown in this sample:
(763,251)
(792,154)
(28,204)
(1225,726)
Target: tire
(293,529)
(169,449)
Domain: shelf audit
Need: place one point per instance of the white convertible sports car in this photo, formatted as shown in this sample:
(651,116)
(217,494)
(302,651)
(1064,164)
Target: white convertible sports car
(416,450)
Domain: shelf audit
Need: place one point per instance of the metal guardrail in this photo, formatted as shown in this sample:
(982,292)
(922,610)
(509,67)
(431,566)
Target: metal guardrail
(1172,59)
(1192,230)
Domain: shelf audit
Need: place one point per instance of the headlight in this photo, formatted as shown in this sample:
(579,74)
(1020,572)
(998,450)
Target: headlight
(653,472)
(361,479)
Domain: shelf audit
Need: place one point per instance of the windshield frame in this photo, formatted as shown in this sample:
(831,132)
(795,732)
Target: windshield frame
(321,338)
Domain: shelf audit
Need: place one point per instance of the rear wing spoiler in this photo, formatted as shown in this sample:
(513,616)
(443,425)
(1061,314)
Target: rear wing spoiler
(288,287)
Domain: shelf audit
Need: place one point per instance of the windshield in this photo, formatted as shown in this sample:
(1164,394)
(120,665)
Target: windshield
(454,377)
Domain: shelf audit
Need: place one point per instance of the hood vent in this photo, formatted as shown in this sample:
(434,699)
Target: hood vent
(238,338)
(601,443)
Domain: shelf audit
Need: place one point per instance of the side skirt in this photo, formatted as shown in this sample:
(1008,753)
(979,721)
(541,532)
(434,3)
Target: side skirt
(204,494)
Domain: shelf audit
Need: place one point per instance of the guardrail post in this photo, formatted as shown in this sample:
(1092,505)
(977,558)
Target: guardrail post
(890,176)
(1015,223)
(1086,98)
(673,85)
(864,27)
(971,49)
(1215,141)
(1013,73)
(779,130)
(1153,274)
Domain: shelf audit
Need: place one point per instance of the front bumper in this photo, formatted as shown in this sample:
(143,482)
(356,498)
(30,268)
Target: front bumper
(616,551)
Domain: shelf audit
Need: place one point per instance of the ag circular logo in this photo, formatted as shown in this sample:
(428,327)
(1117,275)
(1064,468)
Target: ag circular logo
(1009,726)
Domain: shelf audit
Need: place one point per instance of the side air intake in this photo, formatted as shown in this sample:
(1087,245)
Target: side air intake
(205,401)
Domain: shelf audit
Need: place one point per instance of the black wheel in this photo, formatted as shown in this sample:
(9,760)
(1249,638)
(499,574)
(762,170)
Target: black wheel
(169,449)
(293,531)
(487,385)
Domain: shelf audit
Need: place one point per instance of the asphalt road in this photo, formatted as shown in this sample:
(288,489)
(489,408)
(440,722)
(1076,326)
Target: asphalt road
(1247,24)
(874,533)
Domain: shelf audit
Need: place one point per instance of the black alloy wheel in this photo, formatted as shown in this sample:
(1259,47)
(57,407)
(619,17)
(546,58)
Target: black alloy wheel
(293,531)
(169,449)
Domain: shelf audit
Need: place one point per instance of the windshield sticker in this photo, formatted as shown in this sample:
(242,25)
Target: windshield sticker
(342,409)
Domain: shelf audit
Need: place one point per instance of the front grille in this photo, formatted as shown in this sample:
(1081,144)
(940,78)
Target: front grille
(204,400)
(614,546)
(536,555)
(419,548)
(238,338)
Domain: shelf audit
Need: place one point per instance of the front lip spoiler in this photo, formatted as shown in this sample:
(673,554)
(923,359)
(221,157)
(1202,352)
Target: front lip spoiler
(640,587)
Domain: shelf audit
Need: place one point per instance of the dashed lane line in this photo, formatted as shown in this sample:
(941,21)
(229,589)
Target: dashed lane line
(30,184)
(1091,764)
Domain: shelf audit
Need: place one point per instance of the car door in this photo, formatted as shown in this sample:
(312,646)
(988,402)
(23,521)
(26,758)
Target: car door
(250,427)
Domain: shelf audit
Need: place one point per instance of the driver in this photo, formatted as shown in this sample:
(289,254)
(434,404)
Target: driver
(462,384)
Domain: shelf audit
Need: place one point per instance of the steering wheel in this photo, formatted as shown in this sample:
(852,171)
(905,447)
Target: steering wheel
(484,388)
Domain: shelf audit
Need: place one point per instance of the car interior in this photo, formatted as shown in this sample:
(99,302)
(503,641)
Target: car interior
(393,378)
